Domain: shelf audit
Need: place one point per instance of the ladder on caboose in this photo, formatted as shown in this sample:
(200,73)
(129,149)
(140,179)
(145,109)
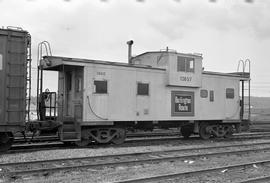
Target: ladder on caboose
(44,45)
(245,112)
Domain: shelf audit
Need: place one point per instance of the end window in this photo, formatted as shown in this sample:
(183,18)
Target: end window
(142,89)
(69,81)
(204,93)
(230,93)
(101,87)
(185,64)
(78,84)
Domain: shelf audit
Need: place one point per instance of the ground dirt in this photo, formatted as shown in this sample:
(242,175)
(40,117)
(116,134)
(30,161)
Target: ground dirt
(111,174)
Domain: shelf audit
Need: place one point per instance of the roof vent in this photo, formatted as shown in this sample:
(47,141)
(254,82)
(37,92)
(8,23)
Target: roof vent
(129,50)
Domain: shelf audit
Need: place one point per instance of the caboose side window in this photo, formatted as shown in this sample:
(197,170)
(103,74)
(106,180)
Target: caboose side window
(101,86)
(181,64)
(185,64)
(142,89)
(230,93)
(190,65)
(211,96)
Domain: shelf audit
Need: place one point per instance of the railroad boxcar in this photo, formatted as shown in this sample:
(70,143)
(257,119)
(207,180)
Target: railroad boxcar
(15,50)
(99,100)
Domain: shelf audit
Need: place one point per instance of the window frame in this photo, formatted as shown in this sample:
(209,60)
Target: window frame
(229,93)
(78,84)
(185,62)
(95,92)
(188,62)
(211,95)
(143,83)
(69,84)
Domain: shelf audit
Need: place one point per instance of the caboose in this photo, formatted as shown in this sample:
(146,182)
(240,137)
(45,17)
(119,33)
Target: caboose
(100,100)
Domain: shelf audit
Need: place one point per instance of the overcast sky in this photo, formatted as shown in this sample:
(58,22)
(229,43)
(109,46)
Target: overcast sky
(224,31)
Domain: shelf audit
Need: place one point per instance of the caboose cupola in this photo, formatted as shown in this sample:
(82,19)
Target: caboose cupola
(182,69)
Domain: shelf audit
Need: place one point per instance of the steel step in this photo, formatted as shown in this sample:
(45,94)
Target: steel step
(69,135)
(69,128)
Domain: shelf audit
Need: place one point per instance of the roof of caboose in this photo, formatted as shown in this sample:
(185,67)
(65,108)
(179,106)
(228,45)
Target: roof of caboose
(198,55)
(10,30)
(54,62)
(241,75)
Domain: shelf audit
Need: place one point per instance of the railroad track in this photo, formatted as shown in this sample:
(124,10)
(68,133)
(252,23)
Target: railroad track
(176,176)
(42,167)
(59,145)
(53,138)
(260,126)
(20,139)
(135,139)
(265,178)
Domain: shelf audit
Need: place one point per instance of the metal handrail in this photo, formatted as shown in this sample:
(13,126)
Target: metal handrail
(40,55)
(245,64)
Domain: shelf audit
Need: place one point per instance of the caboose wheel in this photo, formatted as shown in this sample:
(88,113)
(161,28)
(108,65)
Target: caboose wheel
(204,134)
(6,141)
(229,132)
(85,140)
(120,136)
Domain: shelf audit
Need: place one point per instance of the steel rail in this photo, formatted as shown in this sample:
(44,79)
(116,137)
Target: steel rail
(138,154)
(195,172)
(128,162)
(256,179)
(21,148)
(129,135)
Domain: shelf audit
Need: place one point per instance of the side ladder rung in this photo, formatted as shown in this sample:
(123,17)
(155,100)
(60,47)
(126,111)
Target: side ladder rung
(15,98)
(15,75)
(21,87)
(14,110)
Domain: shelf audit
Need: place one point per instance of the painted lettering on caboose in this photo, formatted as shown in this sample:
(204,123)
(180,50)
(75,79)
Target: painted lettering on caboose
(184,100)
(101,73)
(185,78)
(182,103)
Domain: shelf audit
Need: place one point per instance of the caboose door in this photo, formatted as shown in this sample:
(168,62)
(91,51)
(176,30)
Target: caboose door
(73,96)
(78,94)
(232,106)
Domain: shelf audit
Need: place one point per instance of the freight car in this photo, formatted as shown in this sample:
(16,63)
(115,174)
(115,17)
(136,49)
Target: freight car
(100,100)
(15,60)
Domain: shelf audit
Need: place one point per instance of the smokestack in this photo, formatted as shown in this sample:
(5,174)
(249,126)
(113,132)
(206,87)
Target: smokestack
(129,50)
